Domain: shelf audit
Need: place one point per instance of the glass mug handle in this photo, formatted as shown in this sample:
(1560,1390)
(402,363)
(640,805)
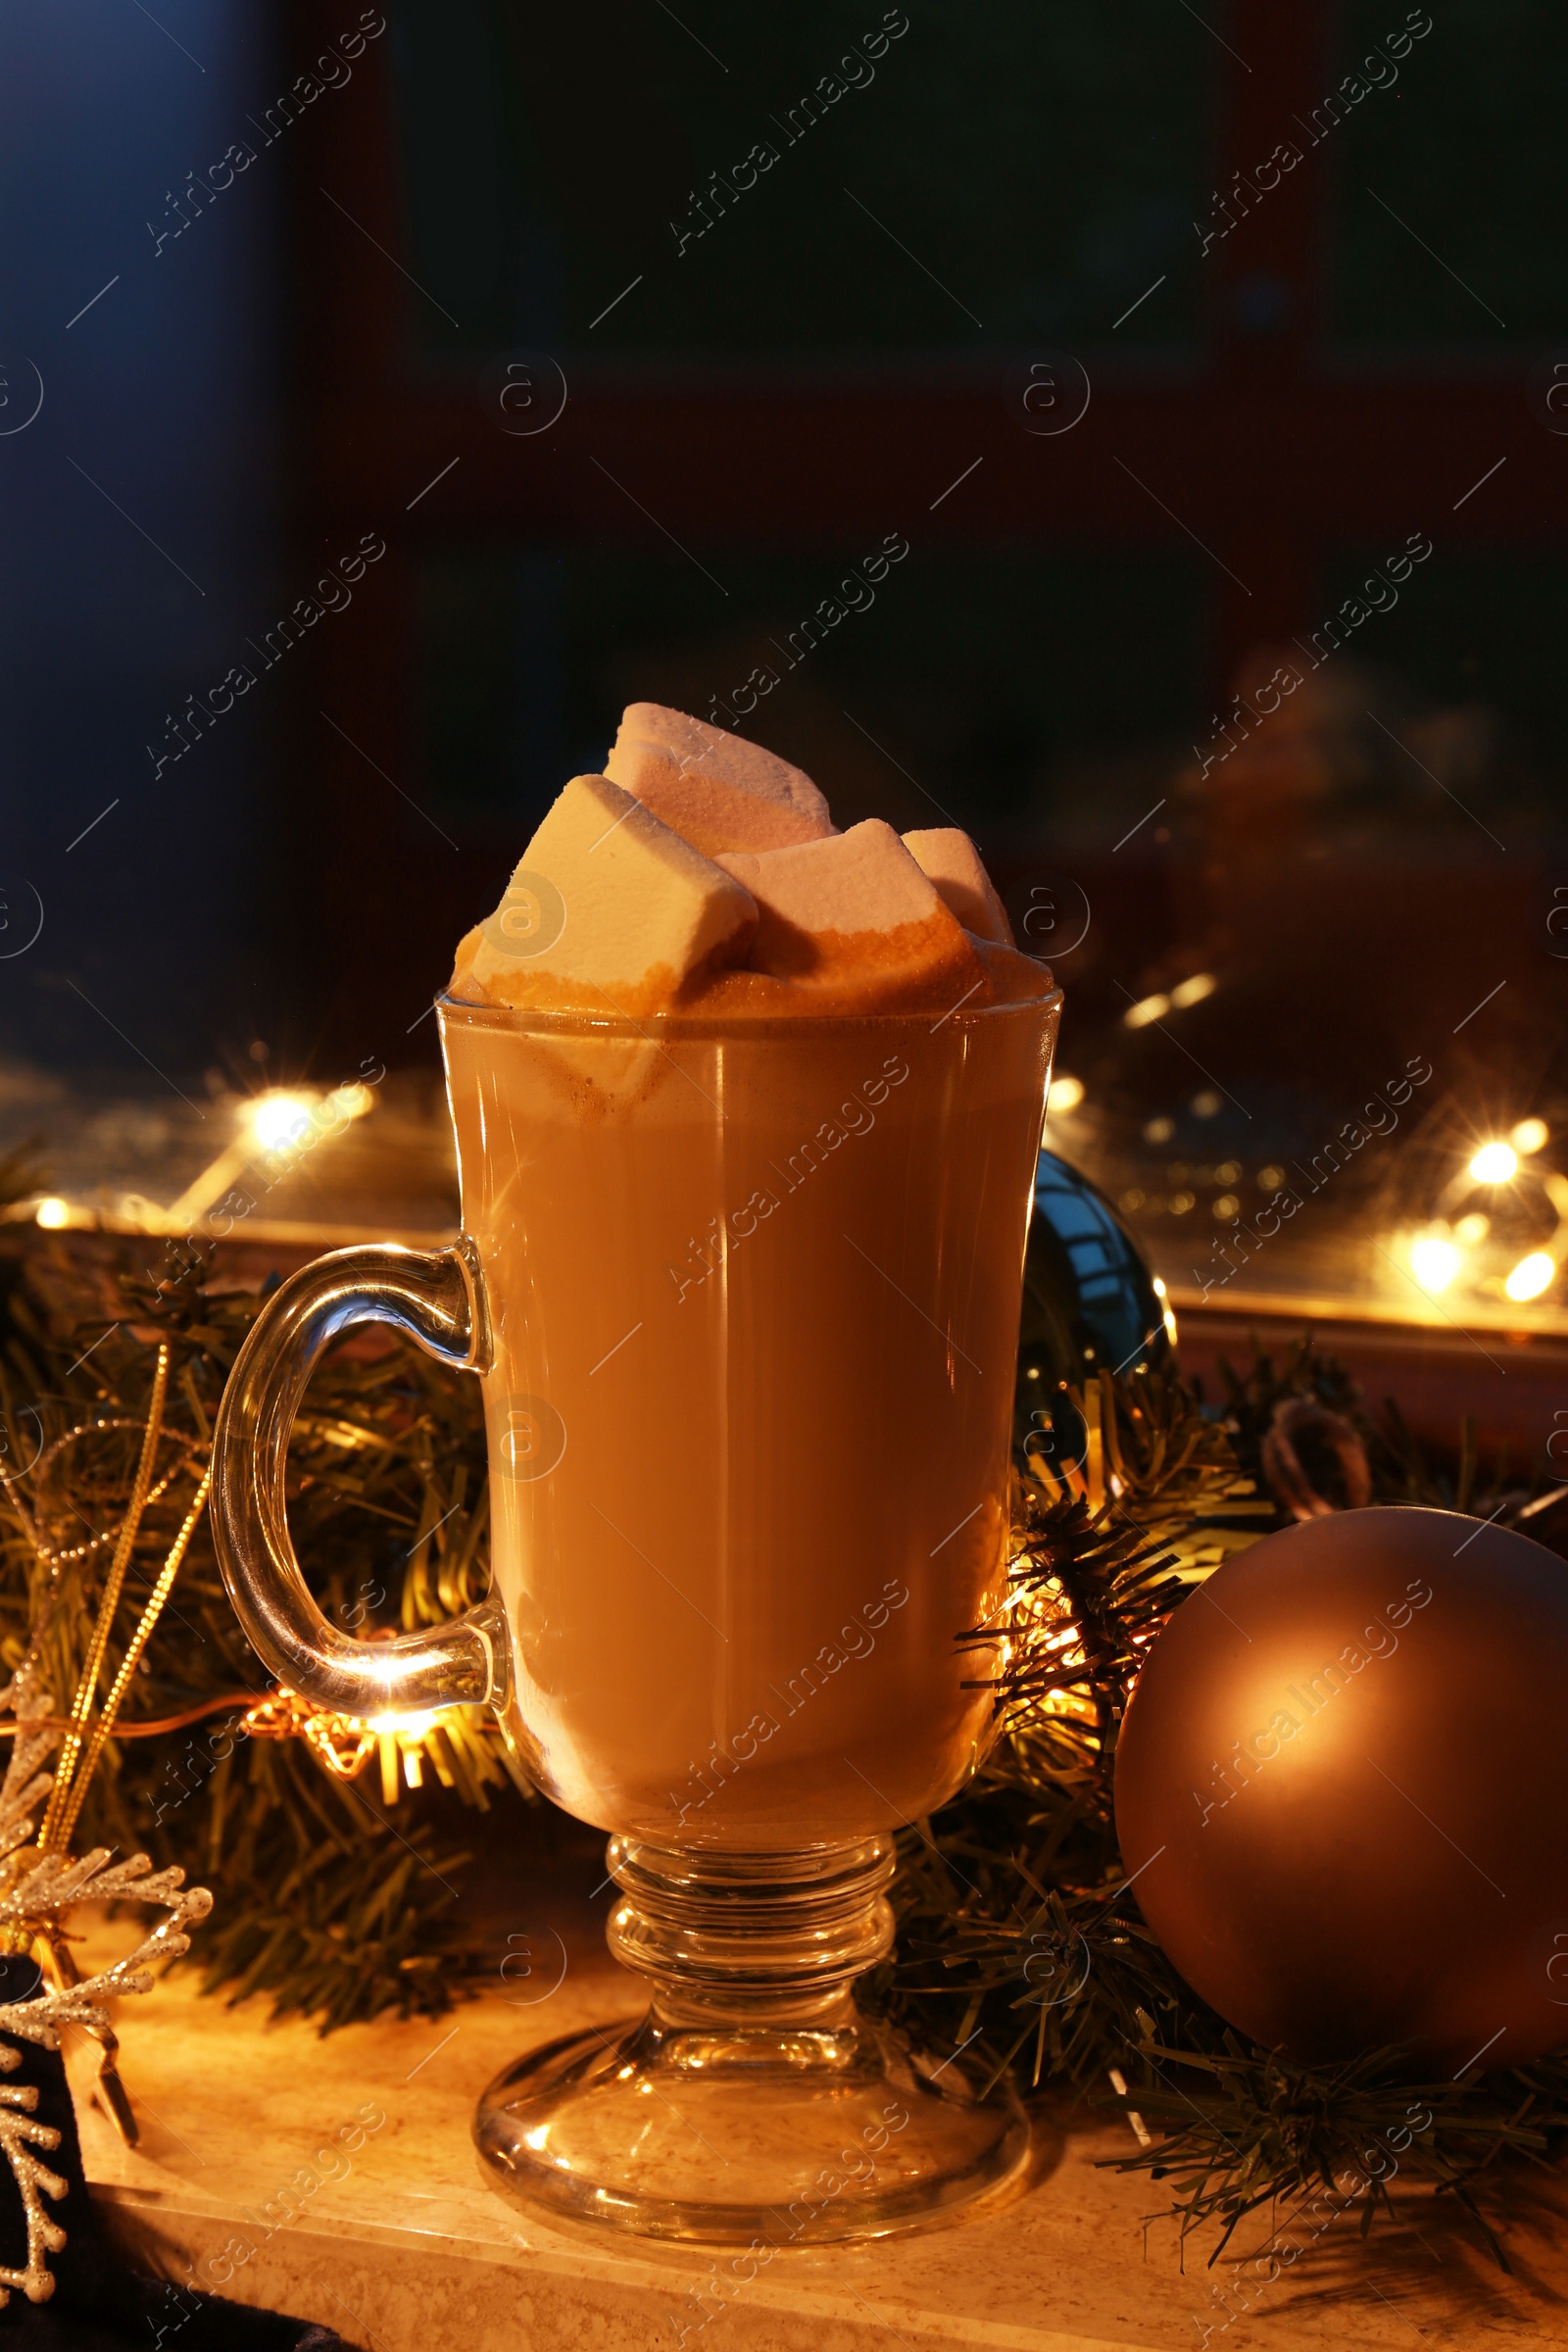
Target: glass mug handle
(432,1297)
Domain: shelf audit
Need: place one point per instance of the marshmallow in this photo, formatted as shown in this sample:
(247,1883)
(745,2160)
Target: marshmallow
(951,860)
(714,789)
(609,911)
(855,916)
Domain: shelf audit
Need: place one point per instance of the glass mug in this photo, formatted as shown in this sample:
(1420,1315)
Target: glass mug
(744,1299)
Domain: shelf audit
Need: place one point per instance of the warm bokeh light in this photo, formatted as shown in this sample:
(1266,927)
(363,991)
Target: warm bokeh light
(1531,1276)
(1065,1092)
(1194,991)
(278,1119)
(1531,1135)
(1167,1311)
(284,1118)
(1147,1010)
(1435,1263)
(1495,1163)
(1472,1229)
(53,1214)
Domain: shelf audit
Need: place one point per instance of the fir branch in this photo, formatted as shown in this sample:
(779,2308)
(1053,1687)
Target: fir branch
(326,1907)
(1018,1933)
(1019,1939)
(1251,2129)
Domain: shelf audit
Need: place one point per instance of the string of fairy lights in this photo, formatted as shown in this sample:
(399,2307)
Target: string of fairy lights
(1473,1236)
(1493,1223)
(343,1744)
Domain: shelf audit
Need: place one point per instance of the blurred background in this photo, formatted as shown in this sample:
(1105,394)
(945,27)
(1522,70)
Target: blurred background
(389,397)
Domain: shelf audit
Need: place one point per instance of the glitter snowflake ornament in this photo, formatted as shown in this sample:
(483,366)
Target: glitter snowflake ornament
(37,1891)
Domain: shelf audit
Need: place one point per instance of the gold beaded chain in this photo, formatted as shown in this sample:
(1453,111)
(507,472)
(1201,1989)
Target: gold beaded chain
(80,1752)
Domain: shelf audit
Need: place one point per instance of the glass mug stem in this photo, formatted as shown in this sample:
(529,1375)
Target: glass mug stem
(752,1939)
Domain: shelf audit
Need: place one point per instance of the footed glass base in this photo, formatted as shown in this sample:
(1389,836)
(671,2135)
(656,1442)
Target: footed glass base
(729,2138)
(754,2101)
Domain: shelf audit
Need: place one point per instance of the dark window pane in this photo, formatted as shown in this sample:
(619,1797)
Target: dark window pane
(969,685)
(1451,206)
(1031,171)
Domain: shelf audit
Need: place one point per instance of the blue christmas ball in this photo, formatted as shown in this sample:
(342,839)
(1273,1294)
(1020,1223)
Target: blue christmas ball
(1089,1300)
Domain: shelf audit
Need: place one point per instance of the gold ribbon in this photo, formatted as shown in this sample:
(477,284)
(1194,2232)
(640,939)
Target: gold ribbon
(78,1749)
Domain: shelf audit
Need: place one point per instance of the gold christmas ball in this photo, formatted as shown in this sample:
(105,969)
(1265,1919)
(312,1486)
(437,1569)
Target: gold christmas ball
(1341,1787)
